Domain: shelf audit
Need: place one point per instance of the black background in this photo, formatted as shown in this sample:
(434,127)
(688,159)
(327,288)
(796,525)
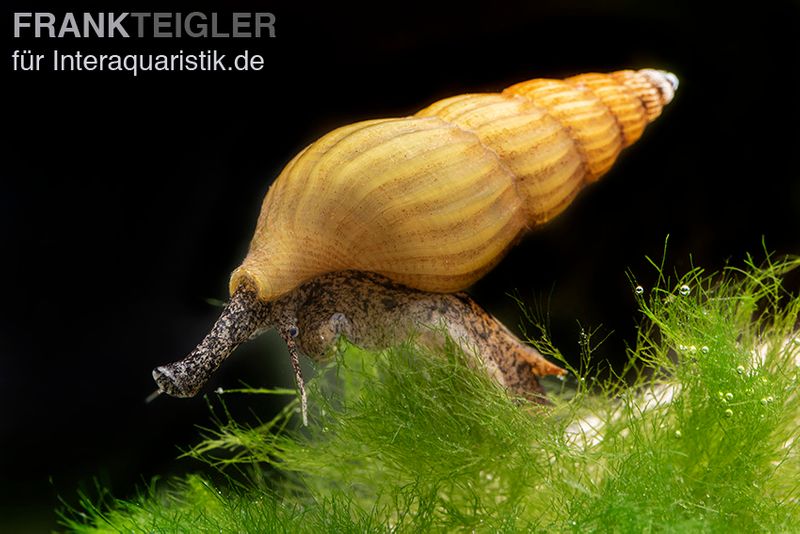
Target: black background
(126,202)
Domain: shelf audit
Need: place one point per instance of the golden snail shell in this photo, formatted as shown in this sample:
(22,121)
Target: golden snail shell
(434,200)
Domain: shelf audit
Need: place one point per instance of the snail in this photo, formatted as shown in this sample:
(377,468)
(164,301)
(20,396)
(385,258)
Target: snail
(426,204)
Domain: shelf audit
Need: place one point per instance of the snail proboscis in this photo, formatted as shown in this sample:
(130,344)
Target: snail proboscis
(410,210)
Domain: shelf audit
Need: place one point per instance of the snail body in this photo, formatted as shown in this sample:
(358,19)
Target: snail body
(370,311)
(410,210)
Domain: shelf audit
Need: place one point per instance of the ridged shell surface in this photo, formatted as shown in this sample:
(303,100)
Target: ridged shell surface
(433,201)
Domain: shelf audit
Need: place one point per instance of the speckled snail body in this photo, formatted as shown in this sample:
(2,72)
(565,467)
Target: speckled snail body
(429,203)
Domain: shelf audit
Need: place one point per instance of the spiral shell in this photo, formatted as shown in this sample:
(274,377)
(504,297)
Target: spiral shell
(433,201)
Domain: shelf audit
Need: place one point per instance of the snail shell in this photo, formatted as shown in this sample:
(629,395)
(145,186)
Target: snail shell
(433,201)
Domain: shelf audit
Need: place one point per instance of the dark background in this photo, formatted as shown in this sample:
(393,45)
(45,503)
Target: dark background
(126,202)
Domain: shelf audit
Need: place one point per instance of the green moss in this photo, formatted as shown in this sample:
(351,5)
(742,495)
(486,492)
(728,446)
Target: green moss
(704,440)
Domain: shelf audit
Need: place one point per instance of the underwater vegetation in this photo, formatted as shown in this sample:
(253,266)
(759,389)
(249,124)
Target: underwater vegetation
(699,435)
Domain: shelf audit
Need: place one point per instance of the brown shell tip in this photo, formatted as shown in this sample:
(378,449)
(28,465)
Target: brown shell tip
(666,82)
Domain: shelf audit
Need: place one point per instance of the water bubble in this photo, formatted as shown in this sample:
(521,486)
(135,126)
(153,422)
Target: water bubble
(678,434)
(685,290)
(729,396)
(770,399)
(639,290)
(728,413)
(764,402)
(740,369)
(704,349)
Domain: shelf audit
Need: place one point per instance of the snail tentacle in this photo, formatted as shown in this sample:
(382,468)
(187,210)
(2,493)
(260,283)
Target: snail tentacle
(289,331)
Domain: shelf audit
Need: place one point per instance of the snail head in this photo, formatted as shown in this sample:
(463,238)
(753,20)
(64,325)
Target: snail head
(243,318)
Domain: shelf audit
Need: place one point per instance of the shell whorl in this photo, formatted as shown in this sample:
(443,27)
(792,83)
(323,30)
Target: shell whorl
(434,200)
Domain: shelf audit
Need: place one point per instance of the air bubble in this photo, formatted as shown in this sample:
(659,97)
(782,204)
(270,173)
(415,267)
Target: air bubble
(639,290)
(728,413)
(678,434)
(729,396)
(770,399)
(704,349)
(764,402)
(740,369)
(692,349)
(685,290)
(219,391)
